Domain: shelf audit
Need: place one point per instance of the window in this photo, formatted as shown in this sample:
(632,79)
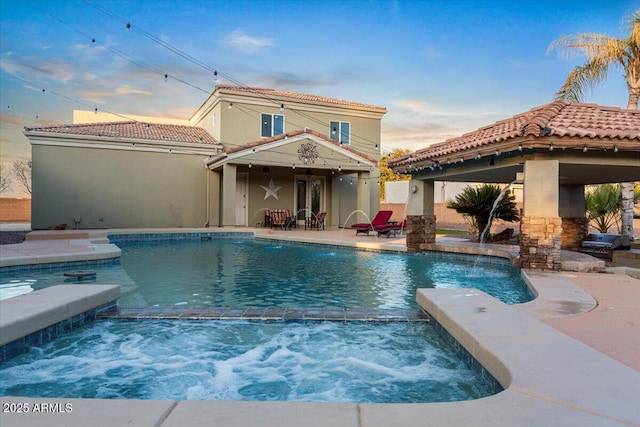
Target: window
(272,124)
(340,132)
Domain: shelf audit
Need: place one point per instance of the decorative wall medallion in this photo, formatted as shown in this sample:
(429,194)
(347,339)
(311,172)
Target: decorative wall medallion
(271,190)
(307,153)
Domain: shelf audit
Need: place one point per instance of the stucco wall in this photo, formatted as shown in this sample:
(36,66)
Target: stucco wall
(239,128)
(116,188)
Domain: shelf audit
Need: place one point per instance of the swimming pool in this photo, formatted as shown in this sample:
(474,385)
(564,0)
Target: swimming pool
(245,360)
(232,272)
(240,360)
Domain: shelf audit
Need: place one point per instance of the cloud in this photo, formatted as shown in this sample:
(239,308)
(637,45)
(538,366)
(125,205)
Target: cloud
(245,43)
(12,120)
(102,96)
(38,67)
(126,90)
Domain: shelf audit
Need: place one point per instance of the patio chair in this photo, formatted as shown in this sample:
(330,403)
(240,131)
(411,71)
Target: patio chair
(381,218)
(315,221)
(390,228)
(279,218)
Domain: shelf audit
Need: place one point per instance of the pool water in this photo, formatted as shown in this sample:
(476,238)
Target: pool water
(263,273)
(351,361)
(241,360)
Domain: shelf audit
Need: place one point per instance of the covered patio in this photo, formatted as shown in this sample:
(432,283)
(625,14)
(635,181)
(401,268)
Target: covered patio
(302,171)
(554,150)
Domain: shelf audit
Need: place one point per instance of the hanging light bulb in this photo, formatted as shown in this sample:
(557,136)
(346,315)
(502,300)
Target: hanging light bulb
(281,108)
(230,105)
(250,165)
(215,76)
(585,149)
(615,148)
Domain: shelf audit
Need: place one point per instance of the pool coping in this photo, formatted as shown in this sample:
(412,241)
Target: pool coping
(549,378)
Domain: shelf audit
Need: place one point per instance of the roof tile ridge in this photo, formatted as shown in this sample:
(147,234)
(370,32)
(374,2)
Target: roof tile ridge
(541,116)
(77,125)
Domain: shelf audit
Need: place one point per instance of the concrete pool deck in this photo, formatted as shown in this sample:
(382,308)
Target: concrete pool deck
(570,357)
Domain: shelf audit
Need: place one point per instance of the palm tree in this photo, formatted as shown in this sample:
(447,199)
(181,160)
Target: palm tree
(604,53)
(602,203)
(477,202)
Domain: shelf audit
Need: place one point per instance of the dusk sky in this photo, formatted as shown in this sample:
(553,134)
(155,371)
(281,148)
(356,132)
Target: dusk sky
(441,68)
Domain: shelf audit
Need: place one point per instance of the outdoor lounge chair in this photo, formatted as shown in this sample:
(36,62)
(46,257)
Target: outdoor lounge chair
(381,218)
(315,221)
(390,228)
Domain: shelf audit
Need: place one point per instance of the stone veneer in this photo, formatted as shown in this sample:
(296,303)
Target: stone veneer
(574,230)
(420,229)
(540,242)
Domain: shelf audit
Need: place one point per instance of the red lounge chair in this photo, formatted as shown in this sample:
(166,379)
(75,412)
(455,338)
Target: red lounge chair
(381,218)
(390,228)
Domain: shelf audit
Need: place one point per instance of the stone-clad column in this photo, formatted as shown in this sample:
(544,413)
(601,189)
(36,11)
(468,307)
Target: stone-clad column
(540,224)
(574,230)
(421,221)
(540,242)
(575,226)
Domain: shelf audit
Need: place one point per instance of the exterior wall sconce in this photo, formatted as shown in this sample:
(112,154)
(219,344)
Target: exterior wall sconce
(414,189)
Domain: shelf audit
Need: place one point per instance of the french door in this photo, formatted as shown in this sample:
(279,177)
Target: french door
(309,196)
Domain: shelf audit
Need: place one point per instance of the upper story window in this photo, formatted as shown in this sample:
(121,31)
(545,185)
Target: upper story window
(271,125)
(340,132)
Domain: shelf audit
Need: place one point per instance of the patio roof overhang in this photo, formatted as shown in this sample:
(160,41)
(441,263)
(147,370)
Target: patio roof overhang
(592,144)
(299,149)
(502,162)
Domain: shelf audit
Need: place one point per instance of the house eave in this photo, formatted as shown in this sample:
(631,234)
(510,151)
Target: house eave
(130,144)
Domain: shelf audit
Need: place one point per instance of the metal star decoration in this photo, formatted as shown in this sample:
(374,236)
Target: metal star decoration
(308,153)
(271,190)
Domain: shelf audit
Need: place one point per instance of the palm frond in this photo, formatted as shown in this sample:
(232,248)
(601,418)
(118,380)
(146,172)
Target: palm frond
(634,27)
(581,79)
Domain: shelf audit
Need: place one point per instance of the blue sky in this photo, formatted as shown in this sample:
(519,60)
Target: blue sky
(441,68)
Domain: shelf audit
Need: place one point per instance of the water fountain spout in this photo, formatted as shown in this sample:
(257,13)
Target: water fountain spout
(518,180)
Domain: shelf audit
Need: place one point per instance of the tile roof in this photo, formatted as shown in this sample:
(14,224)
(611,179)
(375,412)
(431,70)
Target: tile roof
(278,94)
(307,131)
(133,130)
(558,119)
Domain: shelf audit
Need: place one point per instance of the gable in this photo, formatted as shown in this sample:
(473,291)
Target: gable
(302,148)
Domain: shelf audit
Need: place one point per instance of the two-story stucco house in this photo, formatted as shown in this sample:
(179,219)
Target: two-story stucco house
(243,151)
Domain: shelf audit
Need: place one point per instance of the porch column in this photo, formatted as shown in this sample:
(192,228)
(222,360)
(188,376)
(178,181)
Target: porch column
(541,225)
(214,195)
(364,197)
(421,220)
(228,194)
(575,226)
